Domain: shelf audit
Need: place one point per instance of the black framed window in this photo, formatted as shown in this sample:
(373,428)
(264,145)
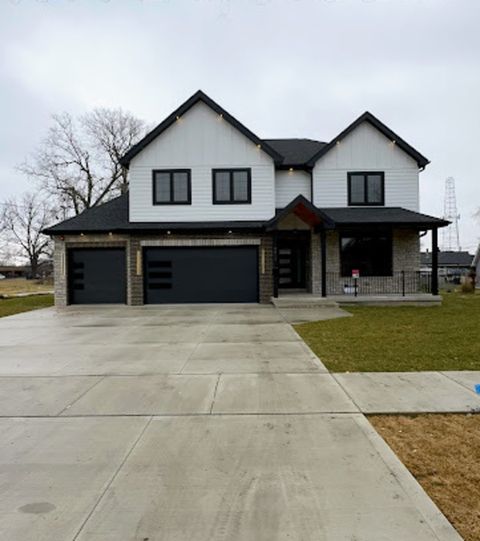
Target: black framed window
(371,253)
(232,186)
(172,187)
(366,188)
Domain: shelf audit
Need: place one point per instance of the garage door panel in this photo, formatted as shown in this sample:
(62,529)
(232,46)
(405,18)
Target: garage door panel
(189,275)
(96,275)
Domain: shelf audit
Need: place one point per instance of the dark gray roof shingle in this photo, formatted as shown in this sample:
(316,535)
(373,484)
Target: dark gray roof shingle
(295,152)
(113,217)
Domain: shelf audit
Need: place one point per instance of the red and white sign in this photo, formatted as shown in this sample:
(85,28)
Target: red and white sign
(355,273)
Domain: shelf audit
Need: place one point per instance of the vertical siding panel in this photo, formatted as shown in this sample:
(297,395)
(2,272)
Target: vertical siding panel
(290,184)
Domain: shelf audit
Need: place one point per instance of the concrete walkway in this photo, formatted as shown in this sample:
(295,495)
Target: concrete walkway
(412,392)
(205,423)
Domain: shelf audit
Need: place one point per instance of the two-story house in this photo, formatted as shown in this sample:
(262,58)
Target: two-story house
(216,214)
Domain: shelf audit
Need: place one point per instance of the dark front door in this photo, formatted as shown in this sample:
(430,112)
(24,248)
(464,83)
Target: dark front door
(191,275)
(291,264)
(96,275)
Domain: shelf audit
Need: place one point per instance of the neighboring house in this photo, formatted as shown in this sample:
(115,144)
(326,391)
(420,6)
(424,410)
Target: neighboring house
(13,271)
(44,270)
(216,214)
(451,265)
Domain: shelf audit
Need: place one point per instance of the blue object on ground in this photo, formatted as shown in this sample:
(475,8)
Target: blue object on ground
(477,388)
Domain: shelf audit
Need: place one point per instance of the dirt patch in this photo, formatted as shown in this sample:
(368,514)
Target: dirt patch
(443,453)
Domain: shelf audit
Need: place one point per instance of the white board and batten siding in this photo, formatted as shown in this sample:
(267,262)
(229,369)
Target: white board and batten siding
(366,149)
(289,185)
(201,140)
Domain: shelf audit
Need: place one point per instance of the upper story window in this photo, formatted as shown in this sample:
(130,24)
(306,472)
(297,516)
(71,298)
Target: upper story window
(232,186)
(172,187)
(366,188)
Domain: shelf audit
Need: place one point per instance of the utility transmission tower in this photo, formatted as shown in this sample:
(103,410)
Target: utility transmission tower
(450,234)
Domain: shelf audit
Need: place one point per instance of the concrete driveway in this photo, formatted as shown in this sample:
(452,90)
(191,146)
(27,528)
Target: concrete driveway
(204,423)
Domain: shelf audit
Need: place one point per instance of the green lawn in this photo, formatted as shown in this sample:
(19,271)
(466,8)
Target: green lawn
(400,338)
(16,305)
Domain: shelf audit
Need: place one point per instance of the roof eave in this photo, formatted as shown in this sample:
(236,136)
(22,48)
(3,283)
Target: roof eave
(147,229)
(412,225)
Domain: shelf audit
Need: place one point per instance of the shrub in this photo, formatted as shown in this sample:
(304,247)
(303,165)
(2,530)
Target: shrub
(467,286)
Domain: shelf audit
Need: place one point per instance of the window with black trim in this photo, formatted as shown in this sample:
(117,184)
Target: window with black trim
(371,253)
(232,186)
(172,187)
(366,188)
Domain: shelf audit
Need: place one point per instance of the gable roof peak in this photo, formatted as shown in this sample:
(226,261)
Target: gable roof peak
(180,111)
(367,116)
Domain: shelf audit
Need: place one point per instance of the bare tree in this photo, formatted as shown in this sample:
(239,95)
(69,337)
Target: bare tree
(21,223)
(78,162)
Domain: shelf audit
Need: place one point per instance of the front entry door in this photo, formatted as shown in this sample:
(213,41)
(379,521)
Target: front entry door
(291,264)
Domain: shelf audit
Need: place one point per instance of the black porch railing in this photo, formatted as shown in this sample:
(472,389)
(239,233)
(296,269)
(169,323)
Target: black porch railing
(399,283)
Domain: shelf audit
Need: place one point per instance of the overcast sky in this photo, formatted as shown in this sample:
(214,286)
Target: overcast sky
(285,68)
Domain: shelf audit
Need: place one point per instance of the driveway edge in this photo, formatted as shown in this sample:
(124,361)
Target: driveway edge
(438,522)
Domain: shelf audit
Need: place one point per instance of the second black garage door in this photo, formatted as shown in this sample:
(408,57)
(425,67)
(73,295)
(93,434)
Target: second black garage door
(190,275)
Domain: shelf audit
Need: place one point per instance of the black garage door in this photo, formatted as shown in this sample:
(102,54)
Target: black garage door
(96,275)
(183,275)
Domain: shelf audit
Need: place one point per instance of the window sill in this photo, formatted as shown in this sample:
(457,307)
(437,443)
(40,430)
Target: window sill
(231,202)
(155,204)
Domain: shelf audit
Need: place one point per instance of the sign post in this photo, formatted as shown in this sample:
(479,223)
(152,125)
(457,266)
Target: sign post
(355,276)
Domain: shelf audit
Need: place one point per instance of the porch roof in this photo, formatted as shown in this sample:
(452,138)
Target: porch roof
(342,217)
(375,216)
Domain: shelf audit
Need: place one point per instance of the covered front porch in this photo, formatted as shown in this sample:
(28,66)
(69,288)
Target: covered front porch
(352,254)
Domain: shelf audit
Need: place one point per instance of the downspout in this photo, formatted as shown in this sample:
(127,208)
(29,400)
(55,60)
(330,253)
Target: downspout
(435,261)
(311,186)
(275,264)
(323,261)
